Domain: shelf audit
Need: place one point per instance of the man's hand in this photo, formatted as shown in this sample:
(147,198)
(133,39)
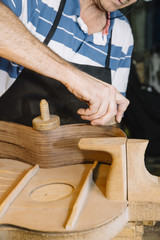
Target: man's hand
(104,101)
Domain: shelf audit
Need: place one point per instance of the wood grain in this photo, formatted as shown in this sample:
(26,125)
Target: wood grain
(82,197)
(16,191)
(98,212)
(55,152)
(116,186)
(52,148)
(142,186)
(45,122)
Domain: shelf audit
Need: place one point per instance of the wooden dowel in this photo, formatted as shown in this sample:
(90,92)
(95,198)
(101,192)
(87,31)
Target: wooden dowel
(80,199)
(15,192)
(44,108)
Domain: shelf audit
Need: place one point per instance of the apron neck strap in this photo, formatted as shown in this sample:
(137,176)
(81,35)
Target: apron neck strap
(55,24)
(109,52)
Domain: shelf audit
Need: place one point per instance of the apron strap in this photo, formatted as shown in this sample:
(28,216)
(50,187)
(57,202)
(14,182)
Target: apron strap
(55,24)
(109,52)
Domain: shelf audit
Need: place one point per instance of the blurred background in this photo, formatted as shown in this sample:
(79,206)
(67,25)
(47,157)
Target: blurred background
(142,119)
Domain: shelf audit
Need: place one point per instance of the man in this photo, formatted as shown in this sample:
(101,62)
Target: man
(82,36)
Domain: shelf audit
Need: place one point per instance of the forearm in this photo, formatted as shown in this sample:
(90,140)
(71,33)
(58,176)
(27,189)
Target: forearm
(17,44)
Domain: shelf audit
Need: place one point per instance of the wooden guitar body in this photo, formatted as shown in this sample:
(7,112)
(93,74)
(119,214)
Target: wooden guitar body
(44,207)
(73,182)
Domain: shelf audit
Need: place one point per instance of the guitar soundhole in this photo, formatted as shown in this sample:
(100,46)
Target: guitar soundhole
(51,192)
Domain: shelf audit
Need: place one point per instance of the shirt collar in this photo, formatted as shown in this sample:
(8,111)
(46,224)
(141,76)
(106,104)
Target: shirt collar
(99,38)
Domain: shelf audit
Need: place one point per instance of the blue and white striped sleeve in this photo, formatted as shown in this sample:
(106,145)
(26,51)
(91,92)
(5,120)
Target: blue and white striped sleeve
(22,8)
(14,5)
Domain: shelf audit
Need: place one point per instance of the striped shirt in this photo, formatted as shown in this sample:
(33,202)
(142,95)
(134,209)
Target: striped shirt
(71,40)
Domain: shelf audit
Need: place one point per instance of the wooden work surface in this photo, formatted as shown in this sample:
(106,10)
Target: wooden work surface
(39,212)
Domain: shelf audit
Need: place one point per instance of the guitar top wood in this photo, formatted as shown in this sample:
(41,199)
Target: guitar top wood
(46,201)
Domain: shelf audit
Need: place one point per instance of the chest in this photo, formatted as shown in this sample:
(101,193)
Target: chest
(69,40)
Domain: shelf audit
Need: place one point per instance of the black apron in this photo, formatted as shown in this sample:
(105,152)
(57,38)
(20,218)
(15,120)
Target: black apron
(20,103)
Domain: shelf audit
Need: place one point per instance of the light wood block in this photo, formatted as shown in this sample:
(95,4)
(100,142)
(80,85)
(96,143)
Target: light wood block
(116,186)
(143,188)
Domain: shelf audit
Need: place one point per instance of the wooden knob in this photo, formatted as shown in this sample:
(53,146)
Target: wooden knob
(45,121)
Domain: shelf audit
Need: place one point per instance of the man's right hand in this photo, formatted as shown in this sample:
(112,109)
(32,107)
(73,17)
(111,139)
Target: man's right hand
(104,101)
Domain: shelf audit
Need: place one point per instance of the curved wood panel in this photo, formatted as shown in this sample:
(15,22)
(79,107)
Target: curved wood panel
(52,148)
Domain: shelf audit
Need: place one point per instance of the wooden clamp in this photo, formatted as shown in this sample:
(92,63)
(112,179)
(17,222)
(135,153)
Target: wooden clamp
(128,178)
(143,187)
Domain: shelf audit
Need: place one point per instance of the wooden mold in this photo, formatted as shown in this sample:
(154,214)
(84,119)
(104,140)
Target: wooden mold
(52,148)
(63,186)
(92,180)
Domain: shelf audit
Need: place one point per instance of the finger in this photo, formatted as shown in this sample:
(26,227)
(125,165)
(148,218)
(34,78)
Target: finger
(112,121)
(100,112)
(91,110)
(102,102)
(113,110)
(122,103)
(105,119)
(110,113)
